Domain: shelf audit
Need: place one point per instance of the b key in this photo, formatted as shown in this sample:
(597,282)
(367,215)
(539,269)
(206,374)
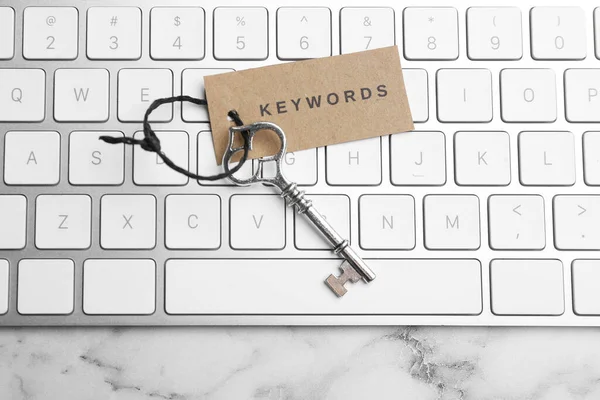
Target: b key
(353,268)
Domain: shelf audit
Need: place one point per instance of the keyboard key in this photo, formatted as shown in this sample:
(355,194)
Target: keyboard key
(241,33)
(482,158)
(464,95)
(46,286)
(193,84)
(114,33)
(13,229)
(257,222)
(577,222)
(63,222)
(591,158)
(387,222)
(418,158)
(4,283)
(94,162)
(150,169)
(597,30)
(207,162)
(517,222)
(582,95)
(527,287)
(586,293)
(7,33)
(81,95)
(128,222)
(298,166)
(303,32)
(22,95)
(430,33)
(547,158)
(50,33)
(354,163)
(452,222)
(366,28)
(415,82)
(177,33)
(31,158)
(402,287)
(193,222)
(116,287)
(494,33)
(138,88)
(336,209)
(528,95)
(558,33)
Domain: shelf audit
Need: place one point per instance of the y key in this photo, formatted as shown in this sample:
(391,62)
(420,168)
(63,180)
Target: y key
(353,268)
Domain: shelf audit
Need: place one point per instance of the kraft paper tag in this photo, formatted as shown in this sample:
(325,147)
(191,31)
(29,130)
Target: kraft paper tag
(316,102)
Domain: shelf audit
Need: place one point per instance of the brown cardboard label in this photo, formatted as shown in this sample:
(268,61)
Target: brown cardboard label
(316,102)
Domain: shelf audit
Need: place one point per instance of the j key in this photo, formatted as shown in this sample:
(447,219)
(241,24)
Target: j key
(582,95)
(193,222)
(464,95)
(177,33)
(114,33)
(128,222)
(387,222)
(527,287)
(81,95)
(517,222)
(150,169)
(138,88)
(32,158)
(528,95)
(547,158)
(591,158)
(193,84)
(63,222)
(415,81)
(241,33)
(46,286)
(7,33)
(354,163)
(482,158)
(50,33)
(366,28)
(303,32)
(94,162)
(452,222)
(558,33)
(13,229)
(418,158)
(257,222)
(494,33)
(431,33)
(22,95)
(577,222)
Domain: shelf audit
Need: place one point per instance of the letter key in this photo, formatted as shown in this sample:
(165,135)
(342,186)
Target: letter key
(353,268)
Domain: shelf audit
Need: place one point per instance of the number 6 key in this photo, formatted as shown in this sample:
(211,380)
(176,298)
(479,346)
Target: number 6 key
(353,268)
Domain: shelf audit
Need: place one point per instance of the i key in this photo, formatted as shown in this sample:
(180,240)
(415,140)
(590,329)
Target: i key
(353,268)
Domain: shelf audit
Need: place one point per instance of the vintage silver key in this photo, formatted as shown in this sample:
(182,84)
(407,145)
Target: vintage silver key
(353,268)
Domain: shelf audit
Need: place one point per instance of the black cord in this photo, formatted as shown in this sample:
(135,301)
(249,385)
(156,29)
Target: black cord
(151,143)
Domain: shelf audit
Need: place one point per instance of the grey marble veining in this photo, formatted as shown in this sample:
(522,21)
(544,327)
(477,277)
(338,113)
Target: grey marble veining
(300,363)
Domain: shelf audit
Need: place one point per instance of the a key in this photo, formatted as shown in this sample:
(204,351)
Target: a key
(353,268)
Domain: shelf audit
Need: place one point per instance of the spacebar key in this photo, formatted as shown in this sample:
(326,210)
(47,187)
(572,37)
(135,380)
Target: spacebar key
(402,287)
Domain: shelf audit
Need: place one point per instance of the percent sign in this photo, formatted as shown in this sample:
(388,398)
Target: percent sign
(240,21)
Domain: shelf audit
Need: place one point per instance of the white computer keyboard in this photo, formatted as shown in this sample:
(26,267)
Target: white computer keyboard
(489,214)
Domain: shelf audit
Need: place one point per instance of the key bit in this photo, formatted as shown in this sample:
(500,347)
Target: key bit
(336,283)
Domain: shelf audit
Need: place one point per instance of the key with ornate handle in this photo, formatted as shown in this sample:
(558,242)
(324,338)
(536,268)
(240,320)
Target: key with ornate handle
(353,268)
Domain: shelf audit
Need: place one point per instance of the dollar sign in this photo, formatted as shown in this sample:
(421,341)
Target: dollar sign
(177,21)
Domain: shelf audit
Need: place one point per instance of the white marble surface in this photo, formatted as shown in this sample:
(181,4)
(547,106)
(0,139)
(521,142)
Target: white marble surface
(300,363)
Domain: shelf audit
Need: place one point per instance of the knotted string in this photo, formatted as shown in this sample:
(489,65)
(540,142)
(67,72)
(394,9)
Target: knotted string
(151,143)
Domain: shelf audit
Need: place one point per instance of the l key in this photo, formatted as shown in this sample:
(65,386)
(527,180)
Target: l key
(353,268)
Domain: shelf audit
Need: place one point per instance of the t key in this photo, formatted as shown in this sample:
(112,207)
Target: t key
(353,268)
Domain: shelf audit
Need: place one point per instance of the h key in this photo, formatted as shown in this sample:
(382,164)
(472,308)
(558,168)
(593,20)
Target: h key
(353,268)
